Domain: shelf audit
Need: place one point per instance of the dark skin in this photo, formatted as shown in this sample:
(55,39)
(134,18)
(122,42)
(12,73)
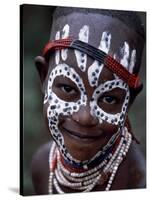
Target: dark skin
(131,173)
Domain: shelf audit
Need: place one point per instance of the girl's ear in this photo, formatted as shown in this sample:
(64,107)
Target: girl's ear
(42,67)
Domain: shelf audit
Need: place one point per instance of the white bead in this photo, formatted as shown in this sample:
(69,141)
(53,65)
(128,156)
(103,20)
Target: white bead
(87,180)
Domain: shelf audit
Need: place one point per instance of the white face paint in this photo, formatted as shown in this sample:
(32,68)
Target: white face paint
(82,57)
(95,69)
(65,35)
(127,59)
(99,113)
(57,106)
(57,52)
(125,55)
(105,42)
(132,61)
(63,52)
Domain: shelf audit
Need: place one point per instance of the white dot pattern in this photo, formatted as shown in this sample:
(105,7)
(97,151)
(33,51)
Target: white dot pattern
(57,106)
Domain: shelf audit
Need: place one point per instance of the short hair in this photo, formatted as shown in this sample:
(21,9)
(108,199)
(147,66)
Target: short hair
(130,18)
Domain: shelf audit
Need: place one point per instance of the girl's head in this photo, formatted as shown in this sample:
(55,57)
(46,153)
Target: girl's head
(85,102)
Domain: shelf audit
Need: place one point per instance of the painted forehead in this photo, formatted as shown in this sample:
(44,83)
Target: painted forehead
(96,24)
(106,39)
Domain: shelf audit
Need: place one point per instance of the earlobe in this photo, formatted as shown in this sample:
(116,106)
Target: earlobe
(42,67)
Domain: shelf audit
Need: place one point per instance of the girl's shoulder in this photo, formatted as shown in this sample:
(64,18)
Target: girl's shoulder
(137,167)
(40,169)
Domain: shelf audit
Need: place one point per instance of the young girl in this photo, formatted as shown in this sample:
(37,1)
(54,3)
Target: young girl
(89,73)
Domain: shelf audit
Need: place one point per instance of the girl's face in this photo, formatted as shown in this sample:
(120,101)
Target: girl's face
(84,102)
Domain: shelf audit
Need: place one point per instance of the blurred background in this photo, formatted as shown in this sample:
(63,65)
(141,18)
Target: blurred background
(36,23)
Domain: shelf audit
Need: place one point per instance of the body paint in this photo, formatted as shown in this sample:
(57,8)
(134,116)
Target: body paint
(81,57)
(63,52)
(105,42)
(99,113)
(57,106)
(95,69)
(125,55)
(132,61)
(116,77)
(57,53)
(65,34)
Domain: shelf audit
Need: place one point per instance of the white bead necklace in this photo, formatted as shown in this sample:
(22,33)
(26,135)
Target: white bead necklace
(87,180)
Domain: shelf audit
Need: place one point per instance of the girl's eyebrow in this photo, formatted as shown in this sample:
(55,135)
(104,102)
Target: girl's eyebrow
(103,81)
(63,79)
(115,93)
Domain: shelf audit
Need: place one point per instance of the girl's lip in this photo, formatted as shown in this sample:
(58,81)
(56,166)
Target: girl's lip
(80,136)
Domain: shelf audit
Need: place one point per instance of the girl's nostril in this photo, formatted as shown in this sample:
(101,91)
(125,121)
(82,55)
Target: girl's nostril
(84,117)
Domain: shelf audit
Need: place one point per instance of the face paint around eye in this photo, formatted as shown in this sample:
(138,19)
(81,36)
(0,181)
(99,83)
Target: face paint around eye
(58,107)
(65,89)
(102,115)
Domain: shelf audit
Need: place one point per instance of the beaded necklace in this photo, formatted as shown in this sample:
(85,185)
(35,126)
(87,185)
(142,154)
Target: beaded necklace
(86,180)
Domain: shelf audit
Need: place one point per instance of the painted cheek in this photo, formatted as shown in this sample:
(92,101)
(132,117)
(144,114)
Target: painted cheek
(57,107)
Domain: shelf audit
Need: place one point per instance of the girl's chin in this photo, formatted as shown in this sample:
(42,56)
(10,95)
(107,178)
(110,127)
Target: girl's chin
(84,147)
(83,150)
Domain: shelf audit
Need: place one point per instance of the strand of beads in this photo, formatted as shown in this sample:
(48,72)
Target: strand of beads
(121,154)
(116,159)
(83,180)
(87,180)
(75,182)
(52,165)
(79,181)
(66,171)
(57,187)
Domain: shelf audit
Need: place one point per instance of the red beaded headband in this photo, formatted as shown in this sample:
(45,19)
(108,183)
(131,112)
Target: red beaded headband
(131,79)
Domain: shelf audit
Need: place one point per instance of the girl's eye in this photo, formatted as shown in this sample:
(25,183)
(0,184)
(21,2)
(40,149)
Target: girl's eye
(68,89)
(109,99)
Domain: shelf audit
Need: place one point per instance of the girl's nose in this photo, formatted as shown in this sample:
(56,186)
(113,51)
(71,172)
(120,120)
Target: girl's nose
(84,117)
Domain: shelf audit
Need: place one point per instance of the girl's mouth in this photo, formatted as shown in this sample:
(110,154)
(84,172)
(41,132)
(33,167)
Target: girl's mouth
(82,136)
